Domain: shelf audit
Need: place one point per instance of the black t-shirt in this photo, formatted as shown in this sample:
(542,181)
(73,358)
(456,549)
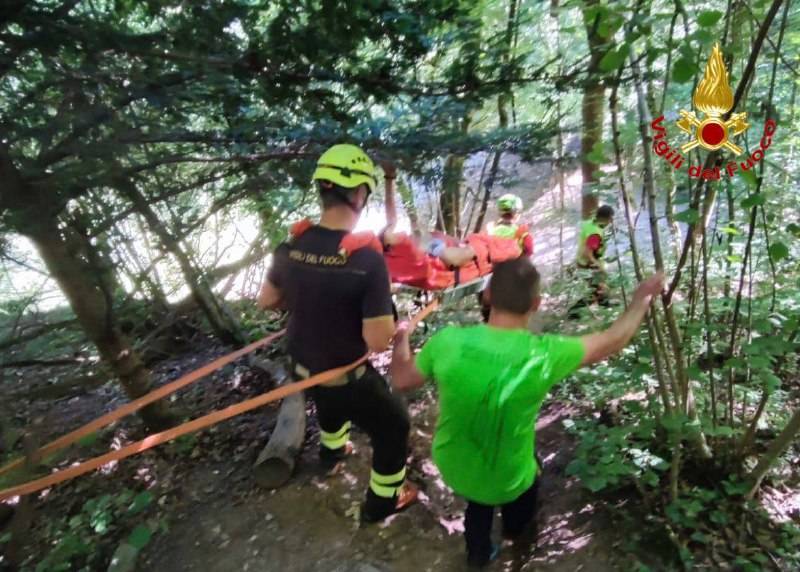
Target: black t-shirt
(328,296)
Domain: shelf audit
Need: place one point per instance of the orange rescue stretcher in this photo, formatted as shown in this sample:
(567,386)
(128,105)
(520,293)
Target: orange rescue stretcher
(411,266)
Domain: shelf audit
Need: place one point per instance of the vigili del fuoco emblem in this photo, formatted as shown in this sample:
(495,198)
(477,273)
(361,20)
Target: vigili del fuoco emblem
(714,98)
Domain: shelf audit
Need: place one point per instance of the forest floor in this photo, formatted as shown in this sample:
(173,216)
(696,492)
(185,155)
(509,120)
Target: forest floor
(212,515)
(311,523)
(207,512)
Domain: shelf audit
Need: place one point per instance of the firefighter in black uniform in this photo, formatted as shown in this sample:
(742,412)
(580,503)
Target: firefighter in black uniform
(340,306)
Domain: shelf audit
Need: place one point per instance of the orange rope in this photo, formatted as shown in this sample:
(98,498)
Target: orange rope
(143,401)
(191,426)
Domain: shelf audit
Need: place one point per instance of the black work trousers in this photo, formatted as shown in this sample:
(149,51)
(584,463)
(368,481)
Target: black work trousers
(382,415)
(517,515)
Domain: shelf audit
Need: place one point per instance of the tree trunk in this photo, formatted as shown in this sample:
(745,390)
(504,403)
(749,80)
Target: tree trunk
(451,194)
(223,324)
(407,198)
(275,464)
(778,446)
(487,192)
(592,117)
(591,111)
(61,251)
(503,101)
(686,397)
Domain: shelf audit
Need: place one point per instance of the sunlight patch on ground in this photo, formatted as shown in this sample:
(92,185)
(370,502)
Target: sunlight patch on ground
(453,525)
(351,479)
(321,485)
(782,505)
(579,542)
(109,467)
(235,381)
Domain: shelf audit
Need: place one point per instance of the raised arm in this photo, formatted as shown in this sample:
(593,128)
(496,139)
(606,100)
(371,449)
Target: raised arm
(389,177)
(600,345)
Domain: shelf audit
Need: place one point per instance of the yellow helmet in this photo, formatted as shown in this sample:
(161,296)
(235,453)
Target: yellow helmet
(347,166)
(509,203)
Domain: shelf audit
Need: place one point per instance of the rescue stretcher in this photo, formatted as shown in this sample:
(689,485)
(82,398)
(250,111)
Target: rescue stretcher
(412,266)
(424,277)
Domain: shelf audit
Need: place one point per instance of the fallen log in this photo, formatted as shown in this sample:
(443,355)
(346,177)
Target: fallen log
(40,362)
(275,464)
(13,341)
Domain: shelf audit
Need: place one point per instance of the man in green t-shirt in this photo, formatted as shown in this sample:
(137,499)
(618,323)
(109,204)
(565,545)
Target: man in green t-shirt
(591,248)
(492,380)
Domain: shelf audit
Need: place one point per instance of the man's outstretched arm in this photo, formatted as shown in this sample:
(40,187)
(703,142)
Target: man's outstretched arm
(600,345)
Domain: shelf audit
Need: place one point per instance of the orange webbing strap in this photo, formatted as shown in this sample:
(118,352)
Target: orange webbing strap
(195,425)
(143,401)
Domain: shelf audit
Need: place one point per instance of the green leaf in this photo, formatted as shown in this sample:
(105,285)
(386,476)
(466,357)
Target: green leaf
(683,71)
(140,537)
(101,523)
(750,178)
(793,228)
(689,216)
(596,155)
(699,537)
(614,59)
(778,251)
(709,18)
(734,487)
(576,466)
(722,431)
(771,382)
(753,200)
(140,502)
(595,483)
(704,37)
(88,440)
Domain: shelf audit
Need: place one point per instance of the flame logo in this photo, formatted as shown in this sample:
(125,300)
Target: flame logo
(714,95)
(714,98)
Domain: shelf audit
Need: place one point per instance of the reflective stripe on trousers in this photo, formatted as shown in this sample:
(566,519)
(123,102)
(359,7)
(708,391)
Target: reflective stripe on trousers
(387,486)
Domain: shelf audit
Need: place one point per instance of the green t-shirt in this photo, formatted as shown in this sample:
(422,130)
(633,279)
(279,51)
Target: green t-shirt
(491,385)
(503,230)
(589,228)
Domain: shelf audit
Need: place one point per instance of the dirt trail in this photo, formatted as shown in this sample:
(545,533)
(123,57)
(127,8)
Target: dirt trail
(224,522)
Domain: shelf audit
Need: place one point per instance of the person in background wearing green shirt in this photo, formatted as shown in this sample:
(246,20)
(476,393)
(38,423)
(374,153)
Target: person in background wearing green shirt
(492,379)
(591,248)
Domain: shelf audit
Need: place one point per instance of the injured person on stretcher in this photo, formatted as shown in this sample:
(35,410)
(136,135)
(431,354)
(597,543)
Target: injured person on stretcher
(437,260)
(439,245)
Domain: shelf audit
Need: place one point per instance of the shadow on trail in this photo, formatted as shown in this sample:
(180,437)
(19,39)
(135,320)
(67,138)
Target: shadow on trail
(224,522)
